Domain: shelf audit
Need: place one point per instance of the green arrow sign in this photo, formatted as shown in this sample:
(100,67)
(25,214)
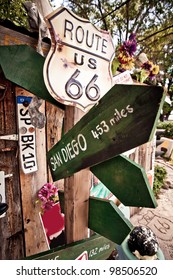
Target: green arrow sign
(26,70)
(126,180)
(95,248)
(105,218)
(123,119)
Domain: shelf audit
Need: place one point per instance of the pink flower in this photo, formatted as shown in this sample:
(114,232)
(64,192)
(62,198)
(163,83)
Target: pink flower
(47,196)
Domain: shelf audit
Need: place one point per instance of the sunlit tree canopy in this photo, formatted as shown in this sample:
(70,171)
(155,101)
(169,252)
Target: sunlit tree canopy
(150,20)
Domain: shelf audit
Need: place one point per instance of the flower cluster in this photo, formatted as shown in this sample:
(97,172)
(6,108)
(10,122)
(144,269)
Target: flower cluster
(140,66)
(151,69)
(147,70)
(126,52)
(47,196)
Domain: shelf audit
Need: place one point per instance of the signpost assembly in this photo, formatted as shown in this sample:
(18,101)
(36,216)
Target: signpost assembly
(120,118)
(124,118)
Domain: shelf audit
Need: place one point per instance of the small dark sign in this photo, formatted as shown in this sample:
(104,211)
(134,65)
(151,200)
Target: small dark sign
(123,119)
(95,248)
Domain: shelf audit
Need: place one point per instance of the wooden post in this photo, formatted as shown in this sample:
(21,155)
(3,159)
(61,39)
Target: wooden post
(76,187)
(44,7)
(76,191)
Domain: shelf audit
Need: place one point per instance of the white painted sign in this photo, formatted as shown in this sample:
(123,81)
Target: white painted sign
(77,69)
(83,256)
(2,190)
(123,78)
(26,136)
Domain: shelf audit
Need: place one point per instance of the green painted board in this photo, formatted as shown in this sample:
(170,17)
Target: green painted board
(127,181)
(23,66)
(95,248)
(105,218)
(124,118)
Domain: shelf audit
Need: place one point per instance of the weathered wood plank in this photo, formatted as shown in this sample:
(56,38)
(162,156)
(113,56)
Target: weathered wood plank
(35,240)
(10,37)
(11,228)
(126,180)
(54,127)
(123,119)
(76,191)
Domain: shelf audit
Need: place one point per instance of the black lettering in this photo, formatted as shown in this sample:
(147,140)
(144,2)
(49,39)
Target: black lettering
(18,271)
(79,33)
(29,164)
(97,43)
(27,138)
(23,112)
(87,40)
(103,45)
(92,63)
(81,62)
(28,145)
(68,27)
(27,121)
(30,155)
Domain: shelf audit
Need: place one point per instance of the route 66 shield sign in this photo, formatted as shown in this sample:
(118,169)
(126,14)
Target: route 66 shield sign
(77,69)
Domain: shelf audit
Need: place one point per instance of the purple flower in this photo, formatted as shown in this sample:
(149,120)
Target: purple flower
(147,65)
(132,37)
(130,47)
(151,76)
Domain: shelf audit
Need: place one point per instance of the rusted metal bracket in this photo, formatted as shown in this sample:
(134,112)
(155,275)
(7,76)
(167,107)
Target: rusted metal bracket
(13,137)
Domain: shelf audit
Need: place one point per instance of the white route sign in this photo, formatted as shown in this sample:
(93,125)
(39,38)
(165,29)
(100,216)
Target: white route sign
(77,69)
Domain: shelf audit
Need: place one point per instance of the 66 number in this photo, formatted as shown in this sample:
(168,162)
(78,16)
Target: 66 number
(74,88)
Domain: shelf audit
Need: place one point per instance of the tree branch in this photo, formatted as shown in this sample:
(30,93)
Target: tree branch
(117,8)
(127,22)
(157,32)
(103,18)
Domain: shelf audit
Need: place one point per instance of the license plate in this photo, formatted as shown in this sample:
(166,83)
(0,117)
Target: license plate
(26,136)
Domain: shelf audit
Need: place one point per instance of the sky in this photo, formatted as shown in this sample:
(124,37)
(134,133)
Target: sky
(57,3)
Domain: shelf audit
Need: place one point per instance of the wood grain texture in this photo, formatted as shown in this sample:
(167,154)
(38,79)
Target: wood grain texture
(54,128)
(35,240)
(76,191)
(11,226)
